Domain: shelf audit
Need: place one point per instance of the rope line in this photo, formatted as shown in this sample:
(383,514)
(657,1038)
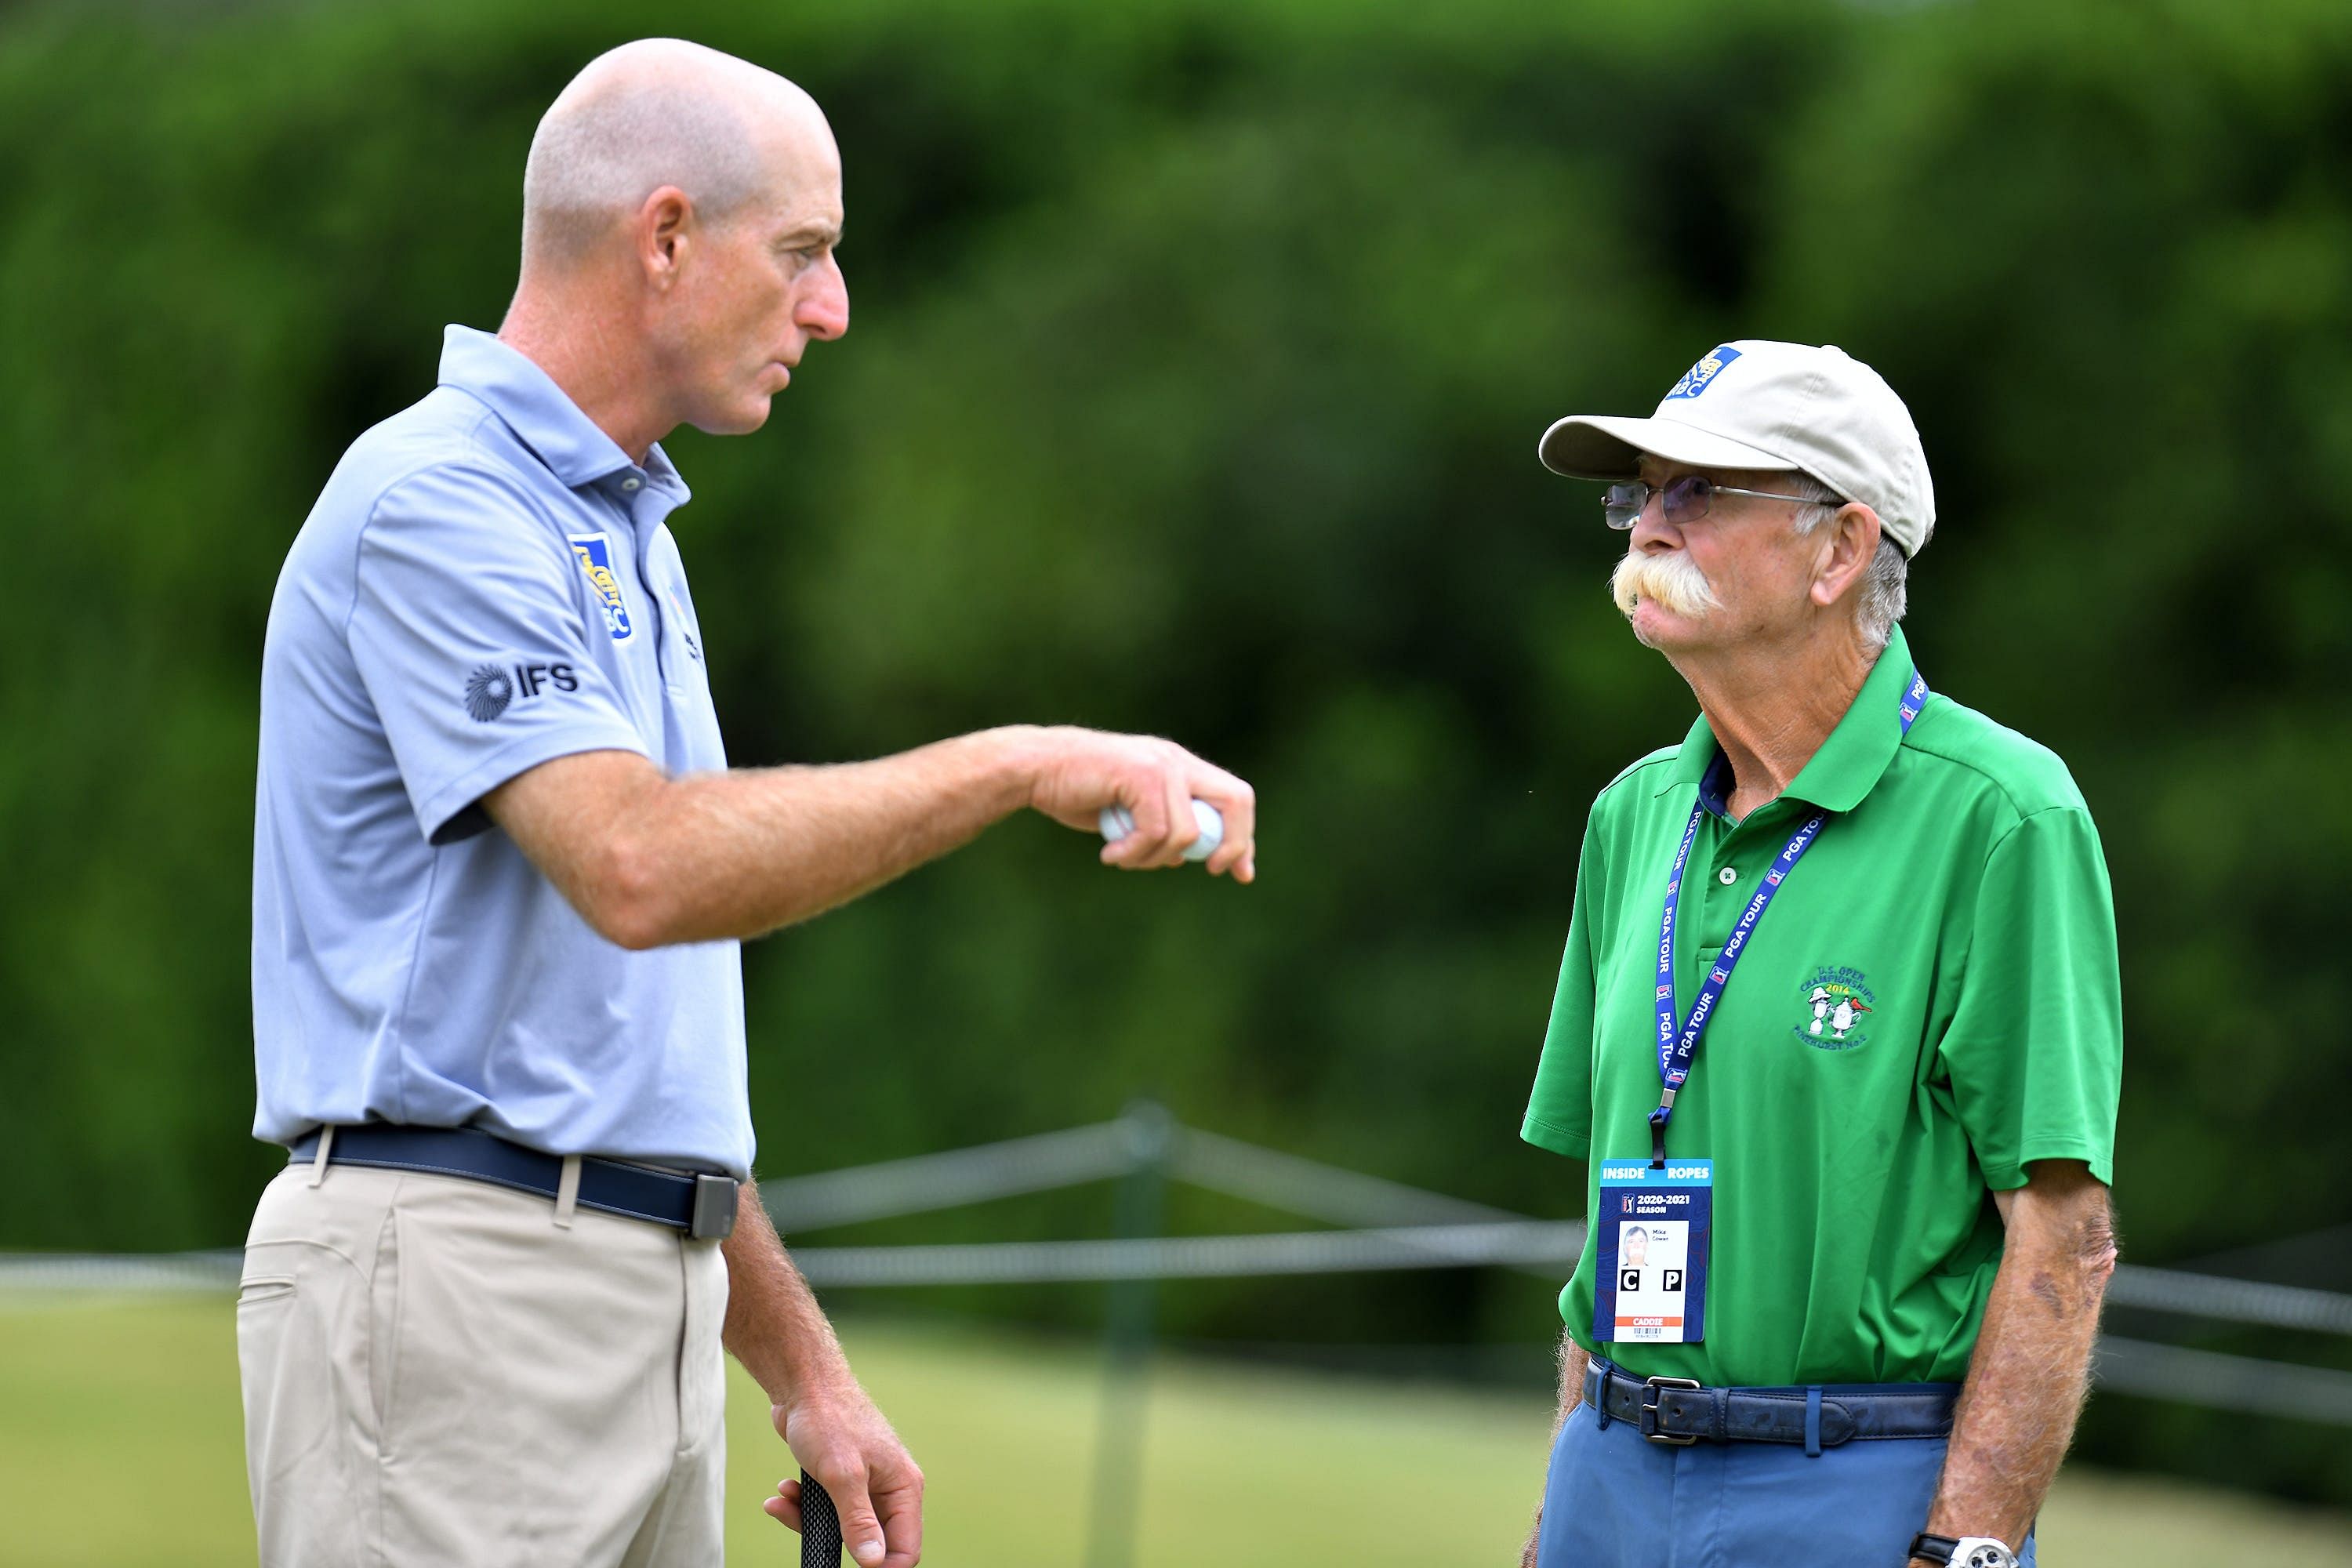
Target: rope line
(928,1182)
(1439,1232)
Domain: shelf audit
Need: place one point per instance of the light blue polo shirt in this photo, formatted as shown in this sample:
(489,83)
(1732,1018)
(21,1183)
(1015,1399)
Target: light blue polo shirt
(486,584)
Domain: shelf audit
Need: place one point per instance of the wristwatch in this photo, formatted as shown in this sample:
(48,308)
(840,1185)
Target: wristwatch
(1967,1551)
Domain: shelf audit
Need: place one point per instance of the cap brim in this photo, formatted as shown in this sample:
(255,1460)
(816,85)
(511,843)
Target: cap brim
(1607,447)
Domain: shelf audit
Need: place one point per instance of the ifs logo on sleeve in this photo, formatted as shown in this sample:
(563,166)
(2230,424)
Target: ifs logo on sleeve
(595,552)
(1700,376)
(1652,1231)
(491,687)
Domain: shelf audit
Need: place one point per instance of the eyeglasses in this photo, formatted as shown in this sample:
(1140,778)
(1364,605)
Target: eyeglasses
(1685,499)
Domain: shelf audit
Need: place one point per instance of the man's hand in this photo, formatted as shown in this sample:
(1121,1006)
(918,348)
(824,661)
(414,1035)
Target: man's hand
(774,1329)
(842,1441)
(1079,772)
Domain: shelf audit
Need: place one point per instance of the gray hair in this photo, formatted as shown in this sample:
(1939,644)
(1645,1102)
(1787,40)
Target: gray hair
(608,143)
(1885,595)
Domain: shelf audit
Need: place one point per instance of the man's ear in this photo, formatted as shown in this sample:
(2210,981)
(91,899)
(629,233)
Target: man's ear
(664,230)
(1849,542)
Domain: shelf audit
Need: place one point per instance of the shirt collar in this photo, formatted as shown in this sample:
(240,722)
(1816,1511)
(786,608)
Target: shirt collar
(1849,764)
(540,412)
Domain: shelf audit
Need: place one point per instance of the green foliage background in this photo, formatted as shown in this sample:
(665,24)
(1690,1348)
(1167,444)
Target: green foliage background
(1198,359)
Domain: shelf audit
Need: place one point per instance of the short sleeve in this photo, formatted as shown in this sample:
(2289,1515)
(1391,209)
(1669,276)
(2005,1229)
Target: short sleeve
(1559,1109)
(468,631)
(2034,1049)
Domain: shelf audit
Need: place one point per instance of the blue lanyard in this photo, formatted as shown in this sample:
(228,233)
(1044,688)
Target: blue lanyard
(1678,1047)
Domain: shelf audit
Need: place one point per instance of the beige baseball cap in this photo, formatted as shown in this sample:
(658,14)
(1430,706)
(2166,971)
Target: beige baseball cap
(1760,405)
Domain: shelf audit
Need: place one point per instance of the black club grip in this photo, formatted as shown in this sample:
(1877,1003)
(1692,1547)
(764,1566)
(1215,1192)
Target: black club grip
(820,1525)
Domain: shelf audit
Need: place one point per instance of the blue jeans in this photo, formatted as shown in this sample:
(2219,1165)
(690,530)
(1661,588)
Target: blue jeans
(1614,1500)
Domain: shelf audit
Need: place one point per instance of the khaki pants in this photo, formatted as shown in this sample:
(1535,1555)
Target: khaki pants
(436,1371)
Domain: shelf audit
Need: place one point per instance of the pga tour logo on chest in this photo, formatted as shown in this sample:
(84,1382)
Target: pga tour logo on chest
(596,553)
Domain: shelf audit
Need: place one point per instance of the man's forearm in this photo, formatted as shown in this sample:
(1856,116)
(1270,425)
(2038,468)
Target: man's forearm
(750,850)
(2031,1368)
(649,860)
(774,1326)
(1573,1358)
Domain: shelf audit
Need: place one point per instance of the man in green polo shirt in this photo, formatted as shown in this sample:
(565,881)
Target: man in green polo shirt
(1837,1029)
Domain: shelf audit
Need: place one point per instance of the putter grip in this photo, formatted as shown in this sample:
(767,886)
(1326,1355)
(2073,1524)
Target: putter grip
(820,1525)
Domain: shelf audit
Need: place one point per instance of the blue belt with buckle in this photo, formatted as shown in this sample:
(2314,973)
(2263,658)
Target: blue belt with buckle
(701,1205)
(1682,1410)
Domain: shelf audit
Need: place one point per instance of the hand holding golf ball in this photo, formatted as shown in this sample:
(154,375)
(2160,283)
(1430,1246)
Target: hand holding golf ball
(1116,822)
(1135,791)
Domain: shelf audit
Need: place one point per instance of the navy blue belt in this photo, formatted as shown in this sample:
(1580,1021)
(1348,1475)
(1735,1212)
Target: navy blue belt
(1682,1410)
(701,1205)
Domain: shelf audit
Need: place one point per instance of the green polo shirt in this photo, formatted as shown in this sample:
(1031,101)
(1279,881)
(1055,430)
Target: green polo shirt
(1929,1003)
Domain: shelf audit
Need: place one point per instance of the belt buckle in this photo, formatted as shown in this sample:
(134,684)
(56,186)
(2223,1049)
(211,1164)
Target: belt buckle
(1649,1411)
(713,1219)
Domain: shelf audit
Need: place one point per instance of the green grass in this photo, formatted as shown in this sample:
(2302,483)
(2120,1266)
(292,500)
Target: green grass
(120,1443)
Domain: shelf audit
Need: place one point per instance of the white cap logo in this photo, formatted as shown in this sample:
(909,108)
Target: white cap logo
(1696,379)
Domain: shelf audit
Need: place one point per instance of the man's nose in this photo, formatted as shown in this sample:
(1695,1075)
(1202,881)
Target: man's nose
(823,310)
(1652,531)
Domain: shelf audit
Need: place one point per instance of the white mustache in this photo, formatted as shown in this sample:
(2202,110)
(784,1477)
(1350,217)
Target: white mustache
(1671,579)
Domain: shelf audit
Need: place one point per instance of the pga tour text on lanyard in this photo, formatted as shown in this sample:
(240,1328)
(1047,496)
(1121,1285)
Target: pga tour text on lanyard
(1678,1049)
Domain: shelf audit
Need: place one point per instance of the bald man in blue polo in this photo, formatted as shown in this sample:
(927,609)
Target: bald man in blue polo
(502,869)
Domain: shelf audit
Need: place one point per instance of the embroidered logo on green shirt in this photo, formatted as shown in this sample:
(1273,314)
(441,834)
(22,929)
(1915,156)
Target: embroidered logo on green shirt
(1837,1000)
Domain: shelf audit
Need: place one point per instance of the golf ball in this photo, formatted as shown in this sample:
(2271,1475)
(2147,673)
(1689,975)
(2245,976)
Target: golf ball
(1116,824)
